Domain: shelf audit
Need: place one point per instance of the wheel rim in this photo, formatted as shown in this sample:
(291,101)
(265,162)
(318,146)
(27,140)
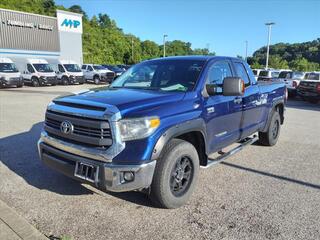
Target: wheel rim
(181,176)
(275,129)
(96,80)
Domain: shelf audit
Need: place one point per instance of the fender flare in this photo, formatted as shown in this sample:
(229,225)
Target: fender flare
(176,130)
(274,104)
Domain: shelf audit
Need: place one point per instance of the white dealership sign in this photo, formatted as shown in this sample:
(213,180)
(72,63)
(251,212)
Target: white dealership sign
(69,22)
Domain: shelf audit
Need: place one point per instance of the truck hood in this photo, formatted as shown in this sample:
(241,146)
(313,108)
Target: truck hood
(128,101)
(47,74)
(77,74)
(8,75)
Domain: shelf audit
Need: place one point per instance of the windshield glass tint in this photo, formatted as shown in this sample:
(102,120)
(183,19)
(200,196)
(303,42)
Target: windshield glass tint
(162,75)
(98,67)
(298,75)
(284,75)
(72,67)
(42,67)
(313,76)
(263,74)
(8,67)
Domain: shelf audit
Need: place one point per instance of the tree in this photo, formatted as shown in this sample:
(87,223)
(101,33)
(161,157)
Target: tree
(78,9)
(276,62)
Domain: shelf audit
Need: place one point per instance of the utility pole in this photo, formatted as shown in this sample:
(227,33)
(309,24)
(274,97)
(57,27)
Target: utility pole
(269,38)
(164,44)
(246,50)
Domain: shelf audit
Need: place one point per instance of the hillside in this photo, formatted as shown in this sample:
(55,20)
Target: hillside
(299,56)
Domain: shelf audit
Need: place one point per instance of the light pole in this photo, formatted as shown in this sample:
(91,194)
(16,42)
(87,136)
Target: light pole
(246,50)
(269,38)
(164,44)
(132,49)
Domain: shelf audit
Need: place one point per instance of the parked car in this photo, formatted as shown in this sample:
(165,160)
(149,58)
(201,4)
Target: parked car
(69,72)
(268,75)
(256,73)
(118,71)
(9,74)
(309,89)
(154,136)
(97,73)
(38,72)
(292,80)
(124,67)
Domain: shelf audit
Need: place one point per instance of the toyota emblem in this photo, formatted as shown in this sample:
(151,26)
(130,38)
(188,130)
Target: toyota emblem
(66,127)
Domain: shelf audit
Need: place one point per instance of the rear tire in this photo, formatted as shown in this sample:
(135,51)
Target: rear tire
(175,175)
(270,137)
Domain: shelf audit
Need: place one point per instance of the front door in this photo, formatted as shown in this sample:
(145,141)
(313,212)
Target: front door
(221,113)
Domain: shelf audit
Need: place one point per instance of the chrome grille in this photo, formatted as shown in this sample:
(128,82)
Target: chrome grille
(85,130)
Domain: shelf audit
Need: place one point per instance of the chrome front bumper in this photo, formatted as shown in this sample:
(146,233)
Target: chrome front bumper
(110,176)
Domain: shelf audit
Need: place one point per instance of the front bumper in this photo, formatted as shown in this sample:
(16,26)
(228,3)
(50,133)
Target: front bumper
(11,81)
(76,79)
(110,176)
(48,80)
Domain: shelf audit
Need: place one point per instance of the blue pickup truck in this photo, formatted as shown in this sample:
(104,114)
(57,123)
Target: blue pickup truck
(158,123)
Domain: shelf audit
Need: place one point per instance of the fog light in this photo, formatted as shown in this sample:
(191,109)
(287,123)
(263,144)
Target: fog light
(128,176)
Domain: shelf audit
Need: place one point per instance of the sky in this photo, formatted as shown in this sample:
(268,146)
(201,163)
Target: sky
(223,26)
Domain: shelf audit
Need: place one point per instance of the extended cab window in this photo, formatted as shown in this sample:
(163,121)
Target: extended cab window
(61,69)
(30,68)
(217,72)
(84,67)
(242,73)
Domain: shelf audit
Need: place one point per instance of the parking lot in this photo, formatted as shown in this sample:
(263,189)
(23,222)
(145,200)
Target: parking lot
(260,193)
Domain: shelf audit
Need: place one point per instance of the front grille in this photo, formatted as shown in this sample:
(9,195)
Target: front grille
(110,75)
(14,79)
(86,131)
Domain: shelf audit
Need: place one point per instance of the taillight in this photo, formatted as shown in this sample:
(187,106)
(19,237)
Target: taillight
(294,84)
(318,87)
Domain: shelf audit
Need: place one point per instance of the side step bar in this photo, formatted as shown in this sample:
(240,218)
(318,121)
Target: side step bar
(246,142)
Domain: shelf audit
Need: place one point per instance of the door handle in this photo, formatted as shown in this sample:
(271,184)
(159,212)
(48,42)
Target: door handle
(237,100)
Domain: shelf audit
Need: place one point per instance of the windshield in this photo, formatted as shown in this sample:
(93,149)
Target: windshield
(285,74)
(263,74)
(72,67)
(255,72)
(298,75)
(8,67)
(314,76)
(98,67)
(42,67)
(161,75)
(114,68)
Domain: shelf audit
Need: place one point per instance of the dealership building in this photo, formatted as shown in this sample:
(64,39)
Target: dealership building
(25,35)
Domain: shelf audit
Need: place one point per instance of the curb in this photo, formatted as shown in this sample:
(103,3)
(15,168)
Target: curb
(18,225)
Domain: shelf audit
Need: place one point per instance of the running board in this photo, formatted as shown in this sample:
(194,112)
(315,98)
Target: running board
(246,142)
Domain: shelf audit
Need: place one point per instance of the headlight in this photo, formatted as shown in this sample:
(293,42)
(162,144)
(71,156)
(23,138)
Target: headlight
(137,128)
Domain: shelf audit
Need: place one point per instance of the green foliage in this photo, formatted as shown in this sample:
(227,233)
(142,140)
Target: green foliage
(298,56)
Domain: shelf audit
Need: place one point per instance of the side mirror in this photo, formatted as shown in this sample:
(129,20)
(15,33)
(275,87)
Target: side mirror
(233,86)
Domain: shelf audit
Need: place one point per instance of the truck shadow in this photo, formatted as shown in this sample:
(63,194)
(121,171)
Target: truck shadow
(283,178)
(20,154)
(300,104)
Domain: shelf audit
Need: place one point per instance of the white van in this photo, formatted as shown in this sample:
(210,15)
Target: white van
(9,74)
(69,72)
(37,72)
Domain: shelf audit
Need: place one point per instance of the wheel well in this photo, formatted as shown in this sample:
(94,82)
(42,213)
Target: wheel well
(197,140)
(96,75)
(280,108)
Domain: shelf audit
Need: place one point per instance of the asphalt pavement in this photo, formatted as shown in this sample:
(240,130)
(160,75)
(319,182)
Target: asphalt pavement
(260,193)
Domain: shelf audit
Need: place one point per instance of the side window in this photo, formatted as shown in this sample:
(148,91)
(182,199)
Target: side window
(61,69)
(217,72)
(84,67)
(90,68)
(242,73)
(30,68)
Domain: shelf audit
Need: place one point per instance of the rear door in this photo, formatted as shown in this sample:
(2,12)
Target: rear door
(221,113)
(251,100)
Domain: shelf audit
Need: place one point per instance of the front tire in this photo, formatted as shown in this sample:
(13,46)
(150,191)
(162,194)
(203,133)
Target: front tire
(270,137)
(175,175)
(35,82)
(96,80)
(64,81)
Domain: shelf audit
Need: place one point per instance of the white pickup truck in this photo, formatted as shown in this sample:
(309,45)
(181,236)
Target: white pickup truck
(97,73)
(9,74)
(292,80)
